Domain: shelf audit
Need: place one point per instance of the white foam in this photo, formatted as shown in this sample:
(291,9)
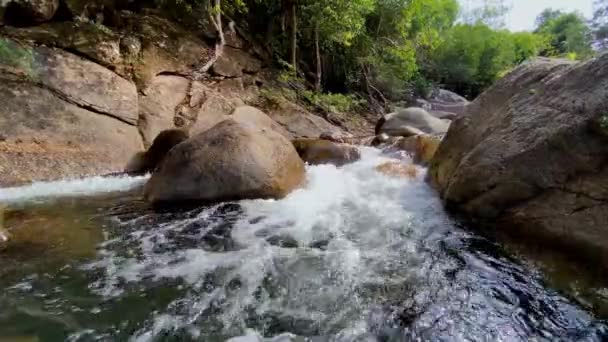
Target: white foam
(73,187)
(361,213)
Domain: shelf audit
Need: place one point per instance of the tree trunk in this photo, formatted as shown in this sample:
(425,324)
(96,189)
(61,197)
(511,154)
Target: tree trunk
(294,37)
(215,15)
(318,60)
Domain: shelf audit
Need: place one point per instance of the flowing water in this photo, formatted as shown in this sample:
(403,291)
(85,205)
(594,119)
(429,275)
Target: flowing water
(352,256)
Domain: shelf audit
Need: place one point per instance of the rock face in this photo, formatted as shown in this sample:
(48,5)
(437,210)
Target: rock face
(158,106)
(411,121)
(230,161)
(531,155)
(317,151)
(62,116)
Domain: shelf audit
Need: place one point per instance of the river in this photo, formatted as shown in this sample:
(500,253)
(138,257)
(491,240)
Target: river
(352,256)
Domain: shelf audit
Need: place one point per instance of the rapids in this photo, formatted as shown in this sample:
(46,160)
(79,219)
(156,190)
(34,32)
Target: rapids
(352,256)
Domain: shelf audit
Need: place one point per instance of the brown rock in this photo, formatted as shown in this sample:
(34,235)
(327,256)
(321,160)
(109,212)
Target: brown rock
(398,169)
(75,80)
(299,122)
(411,121)
(157,108)
(234,62)
(316,151)
(227,162)
(72,117)
(421,147)
(27,12)
(58,139)
(530,154)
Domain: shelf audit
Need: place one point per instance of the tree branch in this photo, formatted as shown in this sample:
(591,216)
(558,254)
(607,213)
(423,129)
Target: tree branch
(215,15)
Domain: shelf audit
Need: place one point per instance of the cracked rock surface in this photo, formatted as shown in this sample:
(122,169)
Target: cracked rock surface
(531,155)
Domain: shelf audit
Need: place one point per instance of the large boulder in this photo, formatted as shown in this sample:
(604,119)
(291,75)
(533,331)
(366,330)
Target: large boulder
(27,12)
(318,151)
(230,161)
(411,121)
(530,157)
(62,116)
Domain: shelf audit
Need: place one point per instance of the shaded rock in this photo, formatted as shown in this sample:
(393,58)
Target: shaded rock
(234,62)
(299,122)
(149,161)
(446,96)
(410,121)
(336,136)
(530,154)
(75,80)
(443,115)
(157,108)
(229,161)
(316,151)
(86,38)
(28,12)
(398,169)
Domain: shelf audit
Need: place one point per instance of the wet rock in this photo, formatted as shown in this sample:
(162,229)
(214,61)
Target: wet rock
(316,151)
(283,241)
(149,161)
(410,121)
(229,161)
(398,169)
(421,147)
(528,157)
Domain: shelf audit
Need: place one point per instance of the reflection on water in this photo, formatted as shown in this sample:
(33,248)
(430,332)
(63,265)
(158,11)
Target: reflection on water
(354,256)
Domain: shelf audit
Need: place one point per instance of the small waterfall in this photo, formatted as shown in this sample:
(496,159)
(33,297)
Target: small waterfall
(75,187)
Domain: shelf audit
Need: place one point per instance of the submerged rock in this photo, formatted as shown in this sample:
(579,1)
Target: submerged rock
(317,151)
(398,169)
(411,121)
(144,162)
(229,161)
(529,156)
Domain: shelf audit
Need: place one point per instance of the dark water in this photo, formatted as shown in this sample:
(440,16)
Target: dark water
(355,256)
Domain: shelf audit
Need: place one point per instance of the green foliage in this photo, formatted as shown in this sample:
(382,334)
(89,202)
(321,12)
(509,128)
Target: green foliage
(332,103)
(567,34)
(19,57)
(475,56)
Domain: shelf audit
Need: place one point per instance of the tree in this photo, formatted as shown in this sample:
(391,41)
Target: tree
(567,33)
(336,22)
(490,12)
(473,57)
(599,24)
